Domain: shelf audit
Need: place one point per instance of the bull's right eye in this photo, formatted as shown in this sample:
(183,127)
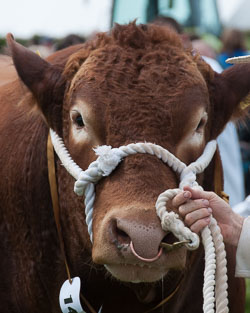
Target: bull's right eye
(77,119)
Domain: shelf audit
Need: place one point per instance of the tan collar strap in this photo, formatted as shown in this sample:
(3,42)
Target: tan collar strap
(168,298)
(56,210)
(218,178)
(54,198)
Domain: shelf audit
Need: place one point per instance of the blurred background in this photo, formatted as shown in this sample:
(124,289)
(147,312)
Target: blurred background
(217,29)
(49,21)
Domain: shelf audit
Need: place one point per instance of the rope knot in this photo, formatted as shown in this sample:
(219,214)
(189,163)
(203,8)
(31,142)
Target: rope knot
(169,219)
(108,159)
(188,177)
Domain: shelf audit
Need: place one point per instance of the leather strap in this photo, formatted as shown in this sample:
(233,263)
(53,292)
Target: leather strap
(55,201)
(56,209)
(218,178)
(168,298)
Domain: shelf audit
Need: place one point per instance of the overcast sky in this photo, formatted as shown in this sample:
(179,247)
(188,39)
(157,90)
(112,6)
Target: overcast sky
(57,18)
(228,7)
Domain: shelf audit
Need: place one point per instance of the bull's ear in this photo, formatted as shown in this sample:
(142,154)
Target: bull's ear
(228,90)
(43,79)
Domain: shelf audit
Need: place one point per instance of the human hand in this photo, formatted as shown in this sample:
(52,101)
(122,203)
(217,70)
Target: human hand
(196,207)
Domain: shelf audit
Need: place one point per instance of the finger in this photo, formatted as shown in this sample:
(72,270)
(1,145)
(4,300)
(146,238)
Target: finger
(197,215)
(193,205)
(200,194)
(198,226)
(181,198)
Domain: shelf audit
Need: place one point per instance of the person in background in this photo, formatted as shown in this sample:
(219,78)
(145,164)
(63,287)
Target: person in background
(171,23)
(233,42)
(42,45)
(69,40)
(207,52)
(196,208)
(244,136)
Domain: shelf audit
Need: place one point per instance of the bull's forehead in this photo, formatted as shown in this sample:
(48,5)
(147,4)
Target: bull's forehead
(137,95)
(154,72)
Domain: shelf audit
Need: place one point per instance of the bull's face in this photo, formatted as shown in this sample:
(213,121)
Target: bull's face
(132,86)
(124,209)
(111,104)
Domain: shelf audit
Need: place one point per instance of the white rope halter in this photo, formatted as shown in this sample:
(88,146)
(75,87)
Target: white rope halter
(107,161)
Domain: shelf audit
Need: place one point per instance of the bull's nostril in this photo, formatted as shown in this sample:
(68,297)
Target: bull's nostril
(118,236)
(122,235)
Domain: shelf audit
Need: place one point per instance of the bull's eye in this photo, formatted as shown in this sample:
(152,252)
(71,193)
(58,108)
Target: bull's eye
(77,119)
(201,124)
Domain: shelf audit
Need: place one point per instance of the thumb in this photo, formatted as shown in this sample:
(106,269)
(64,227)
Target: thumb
(199,194)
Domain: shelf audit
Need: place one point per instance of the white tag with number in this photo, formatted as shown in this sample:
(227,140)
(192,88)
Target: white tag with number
(69,297)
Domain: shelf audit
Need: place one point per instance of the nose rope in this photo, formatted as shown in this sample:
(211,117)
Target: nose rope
(107,161)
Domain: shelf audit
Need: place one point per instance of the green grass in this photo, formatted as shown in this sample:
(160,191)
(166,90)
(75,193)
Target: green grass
(248,296)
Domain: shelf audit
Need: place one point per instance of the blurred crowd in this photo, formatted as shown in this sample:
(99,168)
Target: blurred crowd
(234,143)
(46,45)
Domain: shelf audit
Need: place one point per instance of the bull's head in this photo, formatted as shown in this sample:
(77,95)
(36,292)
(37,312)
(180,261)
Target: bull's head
(136,84)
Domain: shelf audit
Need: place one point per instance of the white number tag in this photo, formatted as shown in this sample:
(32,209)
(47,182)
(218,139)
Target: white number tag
(69,297)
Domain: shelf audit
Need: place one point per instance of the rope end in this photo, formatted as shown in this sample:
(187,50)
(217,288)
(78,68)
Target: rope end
(108,159)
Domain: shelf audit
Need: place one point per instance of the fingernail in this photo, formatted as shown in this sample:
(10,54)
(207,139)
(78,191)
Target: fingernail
(209,210)
(186,194)
(207,220)
(205,202)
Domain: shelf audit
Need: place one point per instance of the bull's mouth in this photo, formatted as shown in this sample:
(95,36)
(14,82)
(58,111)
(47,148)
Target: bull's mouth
(125,265)
(136,273)
(132,251)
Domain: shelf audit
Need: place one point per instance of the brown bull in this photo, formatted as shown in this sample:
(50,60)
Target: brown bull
(136,84)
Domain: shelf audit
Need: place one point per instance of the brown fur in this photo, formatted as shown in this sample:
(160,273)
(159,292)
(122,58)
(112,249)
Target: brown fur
(8,72)
(137,84)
